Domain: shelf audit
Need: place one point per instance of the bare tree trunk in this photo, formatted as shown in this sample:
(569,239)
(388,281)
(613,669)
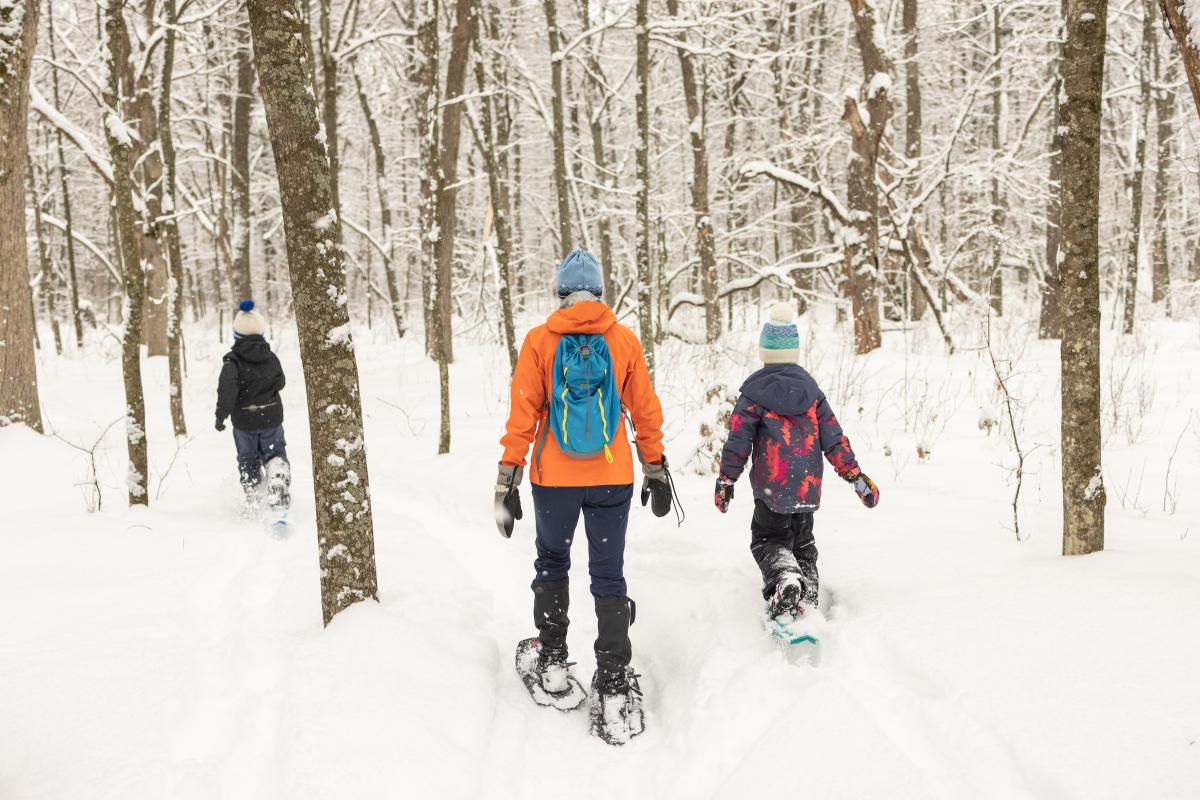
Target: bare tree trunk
(499,212)
(561,189)
(1164,105)
(603,181)
(426,75)
(1050,312)
(170,230)
(996,289)
(447,202)
(1137,179)
(385,207)
(1189,43)
(700,209)
(47,273)
(120,146)
(867,132)
(642,104)
(243,102)
(63,174)
(1083,481)
(912,122)
(339,458)
(329,106)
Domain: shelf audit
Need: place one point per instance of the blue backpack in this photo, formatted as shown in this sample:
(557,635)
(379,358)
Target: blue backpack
(584,407)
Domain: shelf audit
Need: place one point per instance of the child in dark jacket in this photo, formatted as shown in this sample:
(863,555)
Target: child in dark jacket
(784,420)
(248,392)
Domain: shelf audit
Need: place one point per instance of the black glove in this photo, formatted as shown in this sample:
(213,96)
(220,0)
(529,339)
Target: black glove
(220,424)
(508,499)
(723,494)
(656,487)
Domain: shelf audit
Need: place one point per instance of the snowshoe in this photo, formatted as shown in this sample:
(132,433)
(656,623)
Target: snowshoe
(616,710)
(548,680)
(278,496)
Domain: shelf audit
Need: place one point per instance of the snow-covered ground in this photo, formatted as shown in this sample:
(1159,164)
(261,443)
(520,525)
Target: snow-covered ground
(177,652)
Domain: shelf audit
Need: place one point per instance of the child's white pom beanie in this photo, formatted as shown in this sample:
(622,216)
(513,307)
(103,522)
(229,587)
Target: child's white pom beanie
(247,321)
(779,342)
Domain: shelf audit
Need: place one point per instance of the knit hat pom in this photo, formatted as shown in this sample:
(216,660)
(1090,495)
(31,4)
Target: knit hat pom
(781,314)
(246,305)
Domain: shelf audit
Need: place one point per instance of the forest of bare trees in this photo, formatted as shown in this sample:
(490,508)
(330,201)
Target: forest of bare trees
(393,164)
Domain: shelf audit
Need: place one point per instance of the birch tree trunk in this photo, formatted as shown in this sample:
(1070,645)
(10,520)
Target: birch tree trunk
(339,459)
(170,230)
(561,189)
(1083,79)
(700,209)
(120,146)
(1137,180)
(642,105)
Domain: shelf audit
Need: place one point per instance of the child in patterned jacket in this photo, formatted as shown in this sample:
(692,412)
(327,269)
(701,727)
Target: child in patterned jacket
(783,419)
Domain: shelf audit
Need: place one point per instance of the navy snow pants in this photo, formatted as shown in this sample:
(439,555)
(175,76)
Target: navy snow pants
(605,518)
(255,449)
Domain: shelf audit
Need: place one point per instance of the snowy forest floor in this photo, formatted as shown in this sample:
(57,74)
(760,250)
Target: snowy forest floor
(178,651)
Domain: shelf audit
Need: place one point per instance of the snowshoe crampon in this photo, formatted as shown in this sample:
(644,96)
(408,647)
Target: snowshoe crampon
(616,711)
(567,698)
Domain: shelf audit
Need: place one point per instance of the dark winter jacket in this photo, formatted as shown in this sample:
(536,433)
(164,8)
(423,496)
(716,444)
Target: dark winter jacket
(783,417)
(248,389)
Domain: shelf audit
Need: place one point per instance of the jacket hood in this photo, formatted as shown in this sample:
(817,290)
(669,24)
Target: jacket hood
(251,349)
(786,389)
(586,317)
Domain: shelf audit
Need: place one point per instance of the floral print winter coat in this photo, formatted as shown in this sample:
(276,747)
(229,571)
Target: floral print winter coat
(784,420)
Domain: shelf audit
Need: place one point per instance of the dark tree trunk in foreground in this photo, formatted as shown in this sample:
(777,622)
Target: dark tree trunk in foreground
(120,143)
(561,190)
(18,368)
(1083,75)
(339,458)
(170,231)
(645,305)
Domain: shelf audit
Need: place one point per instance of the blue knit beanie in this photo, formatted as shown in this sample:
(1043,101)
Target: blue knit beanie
(580,272)
(779,342)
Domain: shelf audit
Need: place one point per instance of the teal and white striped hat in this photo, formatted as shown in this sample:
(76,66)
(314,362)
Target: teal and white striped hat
(779,342)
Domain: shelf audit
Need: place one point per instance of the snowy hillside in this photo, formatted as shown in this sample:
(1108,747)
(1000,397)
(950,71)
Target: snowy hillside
(178,652)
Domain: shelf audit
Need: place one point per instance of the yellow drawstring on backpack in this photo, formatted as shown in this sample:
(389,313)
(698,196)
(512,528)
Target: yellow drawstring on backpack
(608,456)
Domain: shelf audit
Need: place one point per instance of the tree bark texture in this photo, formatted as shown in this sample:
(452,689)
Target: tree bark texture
(1188,41)
(339,459)
(120,147)
(1083,79)
(18,366)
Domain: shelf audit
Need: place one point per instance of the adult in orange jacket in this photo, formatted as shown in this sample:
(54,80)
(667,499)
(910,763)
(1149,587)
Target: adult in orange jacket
(564,484)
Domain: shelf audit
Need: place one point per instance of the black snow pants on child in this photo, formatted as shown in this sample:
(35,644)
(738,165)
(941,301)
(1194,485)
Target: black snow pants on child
(255,449)
(783,544)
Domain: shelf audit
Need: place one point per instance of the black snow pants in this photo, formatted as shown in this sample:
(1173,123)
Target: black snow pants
(783,544)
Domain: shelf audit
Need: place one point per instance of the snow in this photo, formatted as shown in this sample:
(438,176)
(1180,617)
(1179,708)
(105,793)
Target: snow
(118,130)
(178,651)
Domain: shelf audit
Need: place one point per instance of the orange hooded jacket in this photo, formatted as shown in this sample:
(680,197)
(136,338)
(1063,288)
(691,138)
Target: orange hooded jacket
(529,409)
